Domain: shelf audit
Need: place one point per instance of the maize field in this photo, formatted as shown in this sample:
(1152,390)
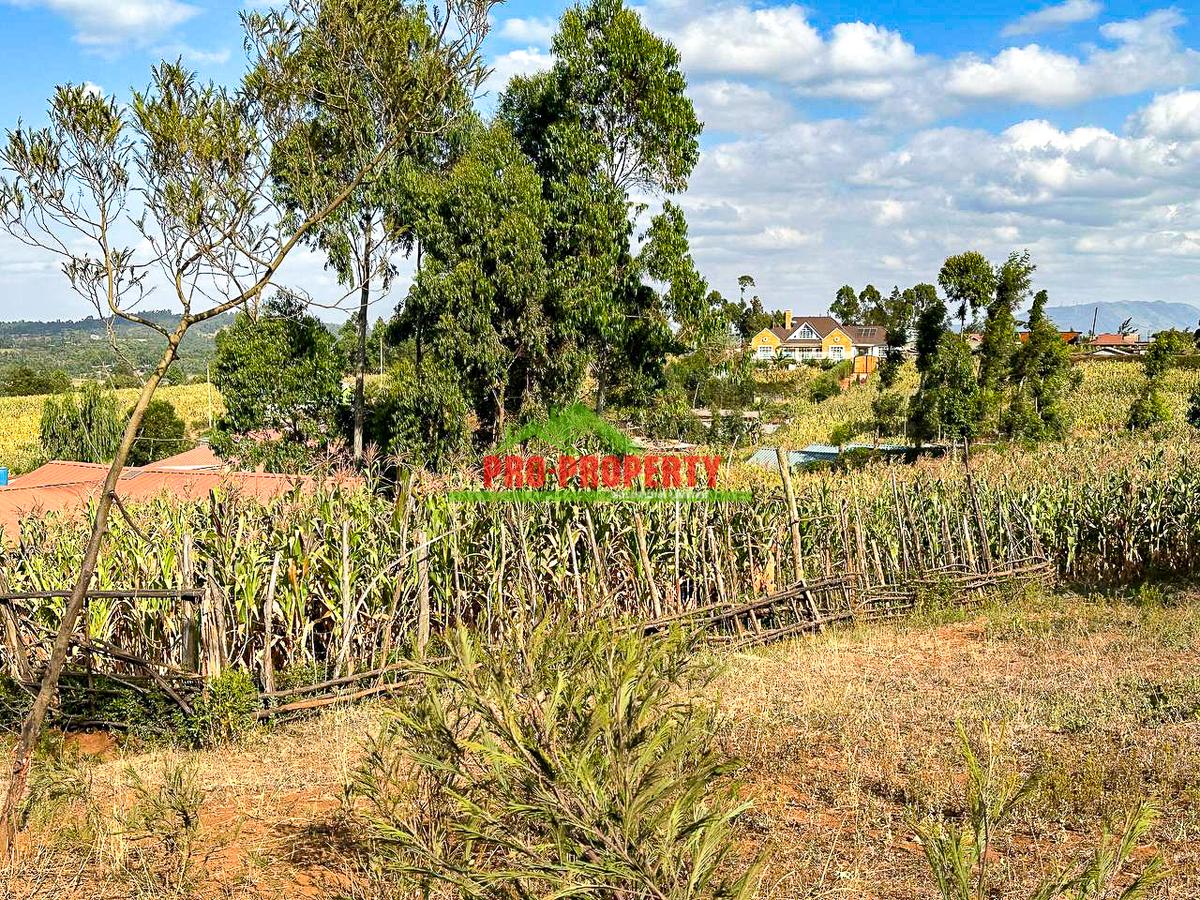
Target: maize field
(344,579)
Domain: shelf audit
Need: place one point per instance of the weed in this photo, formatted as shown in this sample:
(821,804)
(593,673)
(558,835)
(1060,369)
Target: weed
(224,712)
(959,855)
(566,763)
(163,824)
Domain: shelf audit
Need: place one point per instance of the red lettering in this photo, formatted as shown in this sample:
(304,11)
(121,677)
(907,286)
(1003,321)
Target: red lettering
(513,472)
(670,472)
(491,468)
(650,468)
(567,467)
(610,471)
(589,472)
(535,472)
(712,465)
(632,468)
(691,469)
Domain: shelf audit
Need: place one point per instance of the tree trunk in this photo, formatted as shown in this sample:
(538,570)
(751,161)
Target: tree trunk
(360,364)
(31,728)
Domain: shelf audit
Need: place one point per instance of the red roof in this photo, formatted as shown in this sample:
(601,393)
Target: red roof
(1114,340)
(62,485)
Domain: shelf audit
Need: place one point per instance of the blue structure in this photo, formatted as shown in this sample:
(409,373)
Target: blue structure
(768,458)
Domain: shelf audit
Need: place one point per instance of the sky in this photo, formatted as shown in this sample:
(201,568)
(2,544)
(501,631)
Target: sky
(844,142)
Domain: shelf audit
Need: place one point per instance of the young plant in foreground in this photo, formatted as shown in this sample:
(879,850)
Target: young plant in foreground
(959,855)
(566,764)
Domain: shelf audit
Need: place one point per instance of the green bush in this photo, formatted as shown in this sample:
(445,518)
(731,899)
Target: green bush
(224,712)
(86,426)
(1149,409)
(26,381)
(961,855)
(162,434)
(567,763)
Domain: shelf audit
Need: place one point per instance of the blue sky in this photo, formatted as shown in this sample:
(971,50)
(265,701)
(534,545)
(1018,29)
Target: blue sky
(844,142)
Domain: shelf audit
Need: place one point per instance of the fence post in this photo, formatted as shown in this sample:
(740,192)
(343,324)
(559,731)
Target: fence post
(785,473)
(422,593)
(187,631)
(268,660)
(644,555)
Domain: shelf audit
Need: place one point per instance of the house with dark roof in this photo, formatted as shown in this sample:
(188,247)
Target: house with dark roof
(818,338)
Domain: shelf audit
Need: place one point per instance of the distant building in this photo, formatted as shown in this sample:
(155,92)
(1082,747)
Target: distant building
(1115,340)
(60,485)
(818,338)
(1071,338)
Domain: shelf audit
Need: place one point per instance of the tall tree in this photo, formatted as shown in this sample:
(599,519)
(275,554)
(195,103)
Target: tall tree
(969,282)
(190,165)
(1012,283)
(361,239)
(846,307)
(869,299)
(1041,375)
(947,404)
(480,301)
(610,118)
(744,282)
(280,375)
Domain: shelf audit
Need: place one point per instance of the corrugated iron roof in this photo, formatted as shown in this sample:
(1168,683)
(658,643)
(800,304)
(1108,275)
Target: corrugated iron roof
(60,486)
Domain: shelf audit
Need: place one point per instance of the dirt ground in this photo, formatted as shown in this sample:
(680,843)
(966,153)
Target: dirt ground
(845,736)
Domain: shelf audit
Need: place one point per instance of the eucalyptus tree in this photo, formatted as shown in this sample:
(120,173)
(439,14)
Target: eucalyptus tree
(174,192)
(1012,285)
(362,238)
(610,120)
(969,282)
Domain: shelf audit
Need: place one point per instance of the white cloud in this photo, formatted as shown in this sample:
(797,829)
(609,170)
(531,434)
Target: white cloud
(1107,214)
(735,106)
(536,32)
(779,237)
(1147,54)
(517,62)
(110,23)
(857,60)
(1056,16)
(196,56)
(1171,117)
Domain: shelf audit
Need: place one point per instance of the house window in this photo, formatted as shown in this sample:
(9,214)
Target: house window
(764,352)
(806,333)
(836,351)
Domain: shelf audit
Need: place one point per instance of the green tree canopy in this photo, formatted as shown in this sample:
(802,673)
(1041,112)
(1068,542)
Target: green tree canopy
(846,307)
(948,402)
(612,117)
(85,426)
(280,376)
(968,281)
(162,433)
(26,381)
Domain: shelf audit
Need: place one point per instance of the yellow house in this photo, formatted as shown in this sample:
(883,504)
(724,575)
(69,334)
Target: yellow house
(817,338)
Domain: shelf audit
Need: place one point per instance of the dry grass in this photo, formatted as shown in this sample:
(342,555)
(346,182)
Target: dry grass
(845,733)
(842,734)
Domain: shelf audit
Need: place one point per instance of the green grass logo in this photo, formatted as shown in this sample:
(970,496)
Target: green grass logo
(572,430)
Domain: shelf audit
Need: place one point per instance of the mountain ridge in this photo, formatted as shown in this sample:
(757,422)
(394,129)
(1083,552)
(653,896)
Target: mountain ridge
(1148,316)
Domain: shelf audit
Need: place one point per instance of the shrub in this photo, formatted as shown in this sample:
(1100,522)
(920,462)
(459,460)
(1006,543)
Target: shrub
(26,381)
(1149,409)
(224,712)
(162,434)
(423,419)
(959,854)
(568,763)
(86,426)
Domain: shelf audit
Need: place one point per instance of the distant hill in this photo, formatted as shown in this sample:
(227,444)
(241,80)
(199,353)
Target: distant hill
(81,347)
(1149,316)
